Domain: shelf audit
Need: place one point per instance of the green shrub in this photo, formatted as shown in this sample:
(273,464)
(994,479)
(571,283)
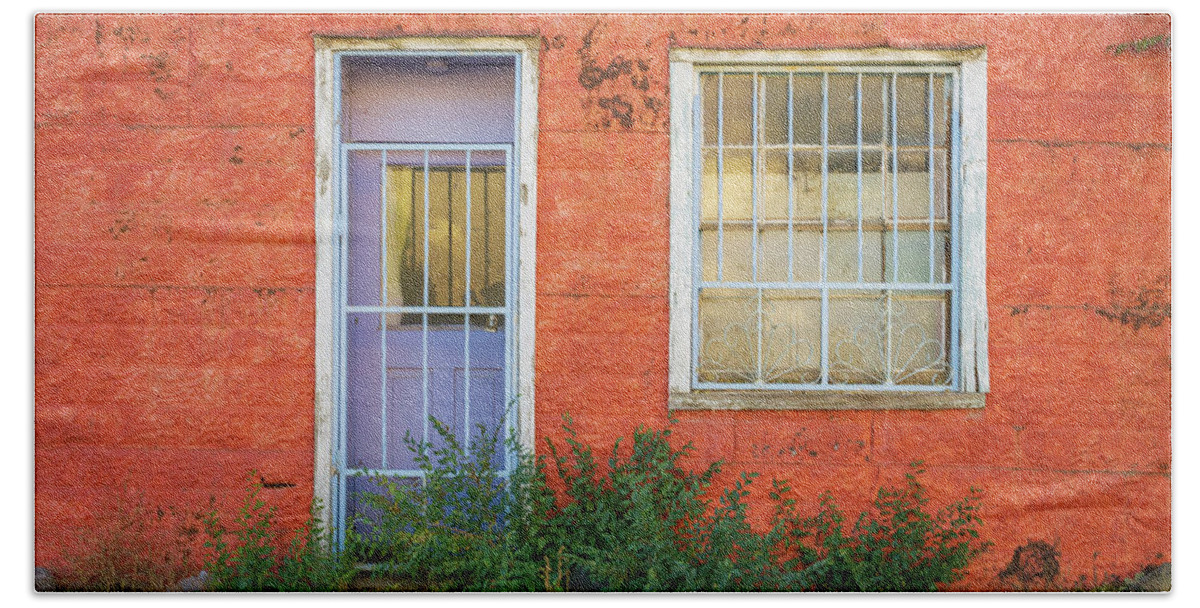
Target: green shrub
(465,527)
(642,522)
(253,556)
(897,546)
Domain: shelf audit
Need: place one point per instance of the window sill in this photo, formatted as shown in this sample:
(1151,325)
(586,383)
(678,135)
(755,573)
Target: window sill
(824,400)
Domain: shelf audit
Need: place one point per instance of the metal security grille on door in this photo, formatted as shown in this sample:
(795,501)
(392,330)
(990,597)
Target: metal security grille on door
(426,173)
(828,229)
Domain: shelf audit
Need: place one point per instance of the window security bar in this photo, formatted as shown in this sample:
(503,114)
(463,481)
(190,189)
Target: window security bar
(826,255)
(442,242)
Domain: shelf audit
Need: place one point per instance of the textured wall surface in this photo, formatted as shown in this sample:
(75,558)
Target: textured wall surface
(174,277)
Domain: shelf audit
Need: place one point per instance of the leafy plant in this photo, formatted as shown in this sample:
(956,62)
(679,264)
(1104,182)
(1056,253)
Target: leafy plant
(130,548)
(897,546)
(466,527)
(253,556)
(645,523)
(641,521)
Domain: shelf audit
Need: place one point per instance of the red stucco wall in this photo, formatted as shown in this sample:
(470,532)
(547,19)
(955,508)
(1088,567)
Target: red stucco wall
(174,267)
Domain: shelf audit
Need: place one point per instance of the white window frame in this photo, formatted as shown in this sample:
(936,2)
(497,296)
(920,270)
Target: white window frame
(325,146)
(685,68)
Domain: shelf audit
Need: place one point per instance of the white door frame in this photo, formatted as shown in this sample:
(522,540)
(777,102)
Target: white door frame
(331,229)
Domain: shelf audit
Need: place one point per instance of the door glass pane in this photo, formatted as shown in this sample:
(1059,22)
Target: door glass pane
(424,99)
(488,212)
(363,183)
(447,245)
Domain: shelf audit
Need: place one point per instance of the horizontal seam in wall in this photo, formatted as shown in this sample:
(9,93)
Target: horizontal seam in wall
(86,123)
(108,447)
(600,295)
(1033,469)
(973,467)
(175,287)
(607,131)
(1052,143)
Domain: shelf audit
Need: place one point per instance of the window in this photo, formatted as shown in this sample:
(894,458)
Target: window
(827,229)
(425,173)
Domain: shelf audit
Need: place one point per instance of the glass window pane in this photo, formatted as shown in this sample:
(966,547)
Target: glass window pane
(941,114)
(941,256)
(773,190)
(806,184)
(919,331)
(806,109)
(914,254)
(857,337)
(941,184)
(912,106)
(877,204)
(874,248)
(843,255)
(708,253)
(806,261)
(773,253)
(897,178)
(728,335)
(738,253)
(709,90)
(738,109)
(843,186)
(791,343)
(843,123)
(709,183)
(774,94)
(872,110)
(913,185)
(738,185)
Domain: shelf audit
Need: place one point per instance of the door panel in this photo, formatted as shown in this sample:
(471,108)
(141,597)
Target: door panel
(427,304)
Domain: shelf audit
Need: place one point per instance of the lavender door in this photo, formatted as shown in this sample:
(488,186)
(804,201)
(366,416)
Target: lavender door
(426,166)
